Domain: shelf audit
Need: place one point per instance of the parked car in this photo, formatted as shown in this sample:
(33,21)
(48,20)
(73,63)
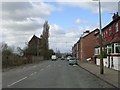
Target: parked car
(53,57)
(68,58)
(73,61)
(62,58)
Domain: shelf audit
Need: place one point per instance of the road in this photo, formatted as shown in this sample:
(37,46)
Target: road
(51,74)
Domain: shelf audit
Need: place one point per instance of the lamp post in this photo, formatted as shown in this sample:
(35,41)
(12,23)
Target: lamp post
(100,36)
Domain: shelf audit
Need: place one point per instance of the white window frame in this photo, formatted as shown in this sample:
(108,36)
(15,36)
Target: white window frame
(106,33)
(110,31)
(97,51)
(116,27)
(116,45)
(109,47)
(102,35)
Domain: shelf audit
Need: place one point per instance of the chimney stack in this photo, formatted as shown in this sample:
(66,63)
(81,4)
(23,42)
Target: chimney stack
(115,16)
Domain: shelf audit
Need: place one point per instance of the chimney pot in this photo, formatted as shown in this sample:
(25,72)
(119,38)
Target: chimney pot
(115,16)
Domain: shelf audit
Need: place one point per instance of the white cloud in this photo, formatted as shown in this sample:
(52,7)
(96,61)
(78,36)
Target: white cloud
(56,31)
(21,20)
(64,40)
(79,21)
(86,0)
(23,10)
(18,32)
(58,0)
(29,24)
(17,38)
(107,6)
(59,39)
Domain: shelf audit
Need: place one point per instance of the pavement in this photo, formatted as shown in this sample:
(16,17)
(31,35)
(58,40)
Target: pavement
(110,76)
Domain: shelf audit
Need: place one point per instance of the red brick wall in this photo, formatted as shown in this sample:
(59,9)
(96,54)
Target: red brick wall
(87,45)
(74,50)
(33,41)
(119,28)
(108,37)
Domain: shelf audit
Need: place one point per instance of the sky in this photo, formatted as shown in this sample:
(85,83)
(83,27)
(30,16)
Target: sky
(68,19)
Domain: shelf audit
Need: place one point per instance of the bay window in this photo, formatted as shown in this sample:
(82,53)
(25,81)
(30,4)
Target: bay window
(115,48)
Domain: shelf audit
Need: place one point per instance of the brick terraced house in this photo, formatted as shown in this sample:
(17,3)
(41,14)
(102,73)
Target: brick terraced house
(84,48)
(111,44)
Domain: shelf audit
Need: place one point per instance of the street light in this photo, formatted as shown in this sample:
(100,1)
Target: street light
(100,36)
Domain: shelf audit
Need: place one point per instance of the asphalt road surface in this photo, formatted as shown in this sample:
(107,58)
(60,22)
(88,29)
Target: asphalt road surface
(51,74)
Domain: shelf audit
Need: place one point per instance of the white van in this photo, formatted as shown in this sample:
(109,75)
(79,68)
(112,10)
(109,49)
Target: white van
(53,57)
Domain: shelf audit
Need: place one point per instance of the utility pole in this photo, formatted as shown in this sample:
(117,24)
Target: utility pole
(119,8)
(66,47)
(100,36)
(81,47)
(38,47)
(56,50)
(101,58)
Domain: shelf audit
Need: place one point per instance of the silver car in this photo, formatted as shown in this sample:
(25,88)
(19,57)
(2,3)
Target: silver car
(73,61)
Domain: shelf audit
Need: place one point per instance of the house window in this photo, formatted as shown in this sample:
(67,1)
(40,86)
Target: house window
(109,31)
(97,51)
(116,27)
(109,49)
(97,38)
(117,48)
(105,49)
(112,48)
(104,34)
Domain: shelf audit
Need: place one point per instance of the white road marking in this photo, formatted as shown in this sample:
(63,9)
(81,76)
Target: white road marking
(41,69)
(31,74)
(17,81)
(35,72)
